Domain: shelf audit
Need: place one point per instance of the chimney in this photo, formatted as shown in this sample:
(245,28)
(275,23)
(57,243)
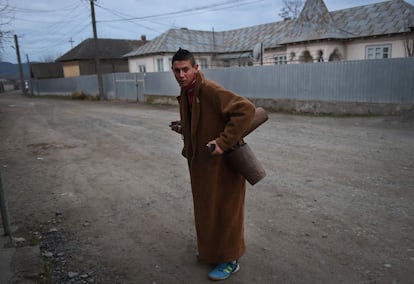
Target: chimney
(144,38)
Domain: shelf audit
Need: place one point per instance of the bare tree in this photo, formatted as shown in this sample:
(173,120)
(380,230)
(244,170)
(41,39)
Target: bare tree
(306,57)
(335,55)
(47,58)
(291,9)
(5,19)
(409,46)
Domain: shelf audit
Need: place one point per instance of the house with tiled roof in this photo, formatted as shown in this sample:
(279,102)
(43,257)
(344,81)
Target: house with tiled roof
(381,30)
(80,60)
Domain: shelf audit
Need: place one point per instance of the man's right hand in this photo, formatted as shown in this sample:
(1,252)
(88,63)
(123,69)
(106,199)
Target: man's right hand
(176,126)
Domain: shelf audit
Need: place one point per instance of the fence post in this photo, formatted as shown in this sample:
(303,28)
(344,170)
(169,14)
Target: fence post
(3,209)
(115,87)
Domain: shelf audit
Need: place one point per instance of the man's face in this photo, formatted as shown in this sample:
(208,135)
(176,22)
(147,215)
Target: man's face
(184,72)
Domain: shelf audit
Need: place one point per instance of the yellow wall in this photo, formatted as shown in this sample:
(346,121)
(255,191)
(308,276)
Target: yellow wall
(71,69)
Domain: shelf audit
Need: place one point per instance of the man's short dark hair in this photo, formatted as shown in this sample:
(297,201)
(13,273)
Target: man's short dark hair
(183,54)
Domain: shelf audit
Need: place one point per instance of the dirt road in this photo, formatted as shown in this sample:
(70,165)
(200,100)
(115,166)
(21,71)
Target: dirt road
(335,207)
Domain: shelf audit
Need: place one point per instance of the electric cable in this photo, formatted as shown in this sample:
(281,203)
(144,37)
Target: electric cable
(214,6)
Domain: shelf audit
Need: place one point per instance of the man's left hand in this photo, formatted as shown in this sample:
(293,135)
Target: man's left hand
(216,150)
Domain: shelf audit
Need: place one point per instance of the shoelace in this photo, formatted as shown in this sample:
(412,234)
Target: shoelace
(226,267)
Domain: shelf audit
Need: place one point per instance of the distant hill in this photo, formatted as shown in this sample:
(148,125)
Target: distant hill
(11,71)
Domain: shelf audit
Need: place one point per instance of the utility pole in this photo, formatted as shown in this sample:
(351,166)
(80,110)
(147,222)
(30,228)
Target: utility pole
(261,53)
(16,42)
(71,42)
(30,75)
(97,61)
(4,212)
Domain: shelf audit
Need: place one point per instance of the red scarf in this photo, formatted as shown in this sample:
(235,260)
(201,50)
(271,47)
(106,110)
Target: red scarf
(190,90)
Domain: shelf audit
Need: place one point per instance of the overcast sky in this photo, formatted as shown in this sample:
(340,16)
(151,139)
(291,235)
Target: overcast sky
(49,28)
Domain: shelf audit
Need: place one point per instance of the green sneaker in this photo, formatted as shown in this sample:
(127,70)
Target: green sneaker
(224,270)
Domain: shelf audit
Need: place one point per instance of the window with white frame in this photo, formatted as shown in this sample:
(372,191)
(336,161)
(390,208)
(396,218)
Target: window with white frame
(160,64)
(378,51)
(244,63)
(203,63)
(142,69)
(281,59)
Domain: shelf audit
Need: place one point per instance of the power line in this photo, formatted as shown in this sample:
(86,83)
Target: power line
(54,33)
(151,19)
(55,26)
(30,11)
(117,13)
(215,6)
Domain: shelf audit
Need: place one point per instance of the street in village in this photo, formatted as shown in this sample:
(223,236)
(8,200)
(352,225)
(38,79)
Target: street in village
(100,191)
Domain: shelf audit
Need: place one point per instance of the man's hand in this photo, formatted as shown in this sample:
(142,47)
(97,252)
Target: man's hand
(176,126)
(214,148)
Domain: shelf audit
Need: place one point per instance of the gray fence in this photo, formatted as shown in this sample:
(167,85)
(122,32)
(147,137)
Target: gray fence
(124,86)
(65,86)
(389,81)
(380,81)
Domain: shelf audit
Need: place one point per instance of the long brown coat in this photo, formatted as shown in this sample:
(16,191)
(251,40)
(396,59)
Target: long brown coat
(218,191)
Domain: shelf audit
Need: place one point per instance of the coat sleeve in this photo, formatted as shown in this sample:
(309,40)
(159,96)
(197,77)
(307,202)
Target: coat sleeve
(238,113)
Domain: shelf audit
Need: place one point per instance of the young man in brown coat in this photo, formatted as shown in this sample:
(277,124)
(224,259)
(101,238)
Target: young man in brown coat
(212,115)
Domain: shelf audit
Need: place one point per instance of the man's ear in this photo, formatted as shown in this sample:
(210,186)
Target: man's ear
(196,66)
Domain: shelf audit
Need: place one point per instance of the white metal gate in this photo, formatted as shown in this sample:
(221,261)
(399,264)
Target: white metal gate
(129,87)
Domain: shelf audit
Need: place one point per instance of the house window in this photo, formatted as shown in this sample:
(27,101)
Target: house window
(378,51)
(142,68)
(203,63)
(160,64)
(280,59)
(170,61)
(242,63)
(245,63)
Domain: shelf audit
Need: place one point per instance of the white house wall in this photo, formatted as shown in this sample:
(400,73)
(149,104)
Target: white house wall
(348,50)
(134,64)
(356,49)
(150,63)
(327,49)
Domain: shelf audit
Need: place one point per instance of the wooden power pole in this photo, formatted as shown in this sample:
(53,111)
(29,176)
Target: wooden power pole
(97,51)
(22,84)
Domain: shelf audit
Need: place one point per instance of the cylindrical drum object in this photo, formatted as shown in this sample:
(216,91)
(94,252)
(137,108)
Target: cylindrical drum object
(260,116)
(243,160)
